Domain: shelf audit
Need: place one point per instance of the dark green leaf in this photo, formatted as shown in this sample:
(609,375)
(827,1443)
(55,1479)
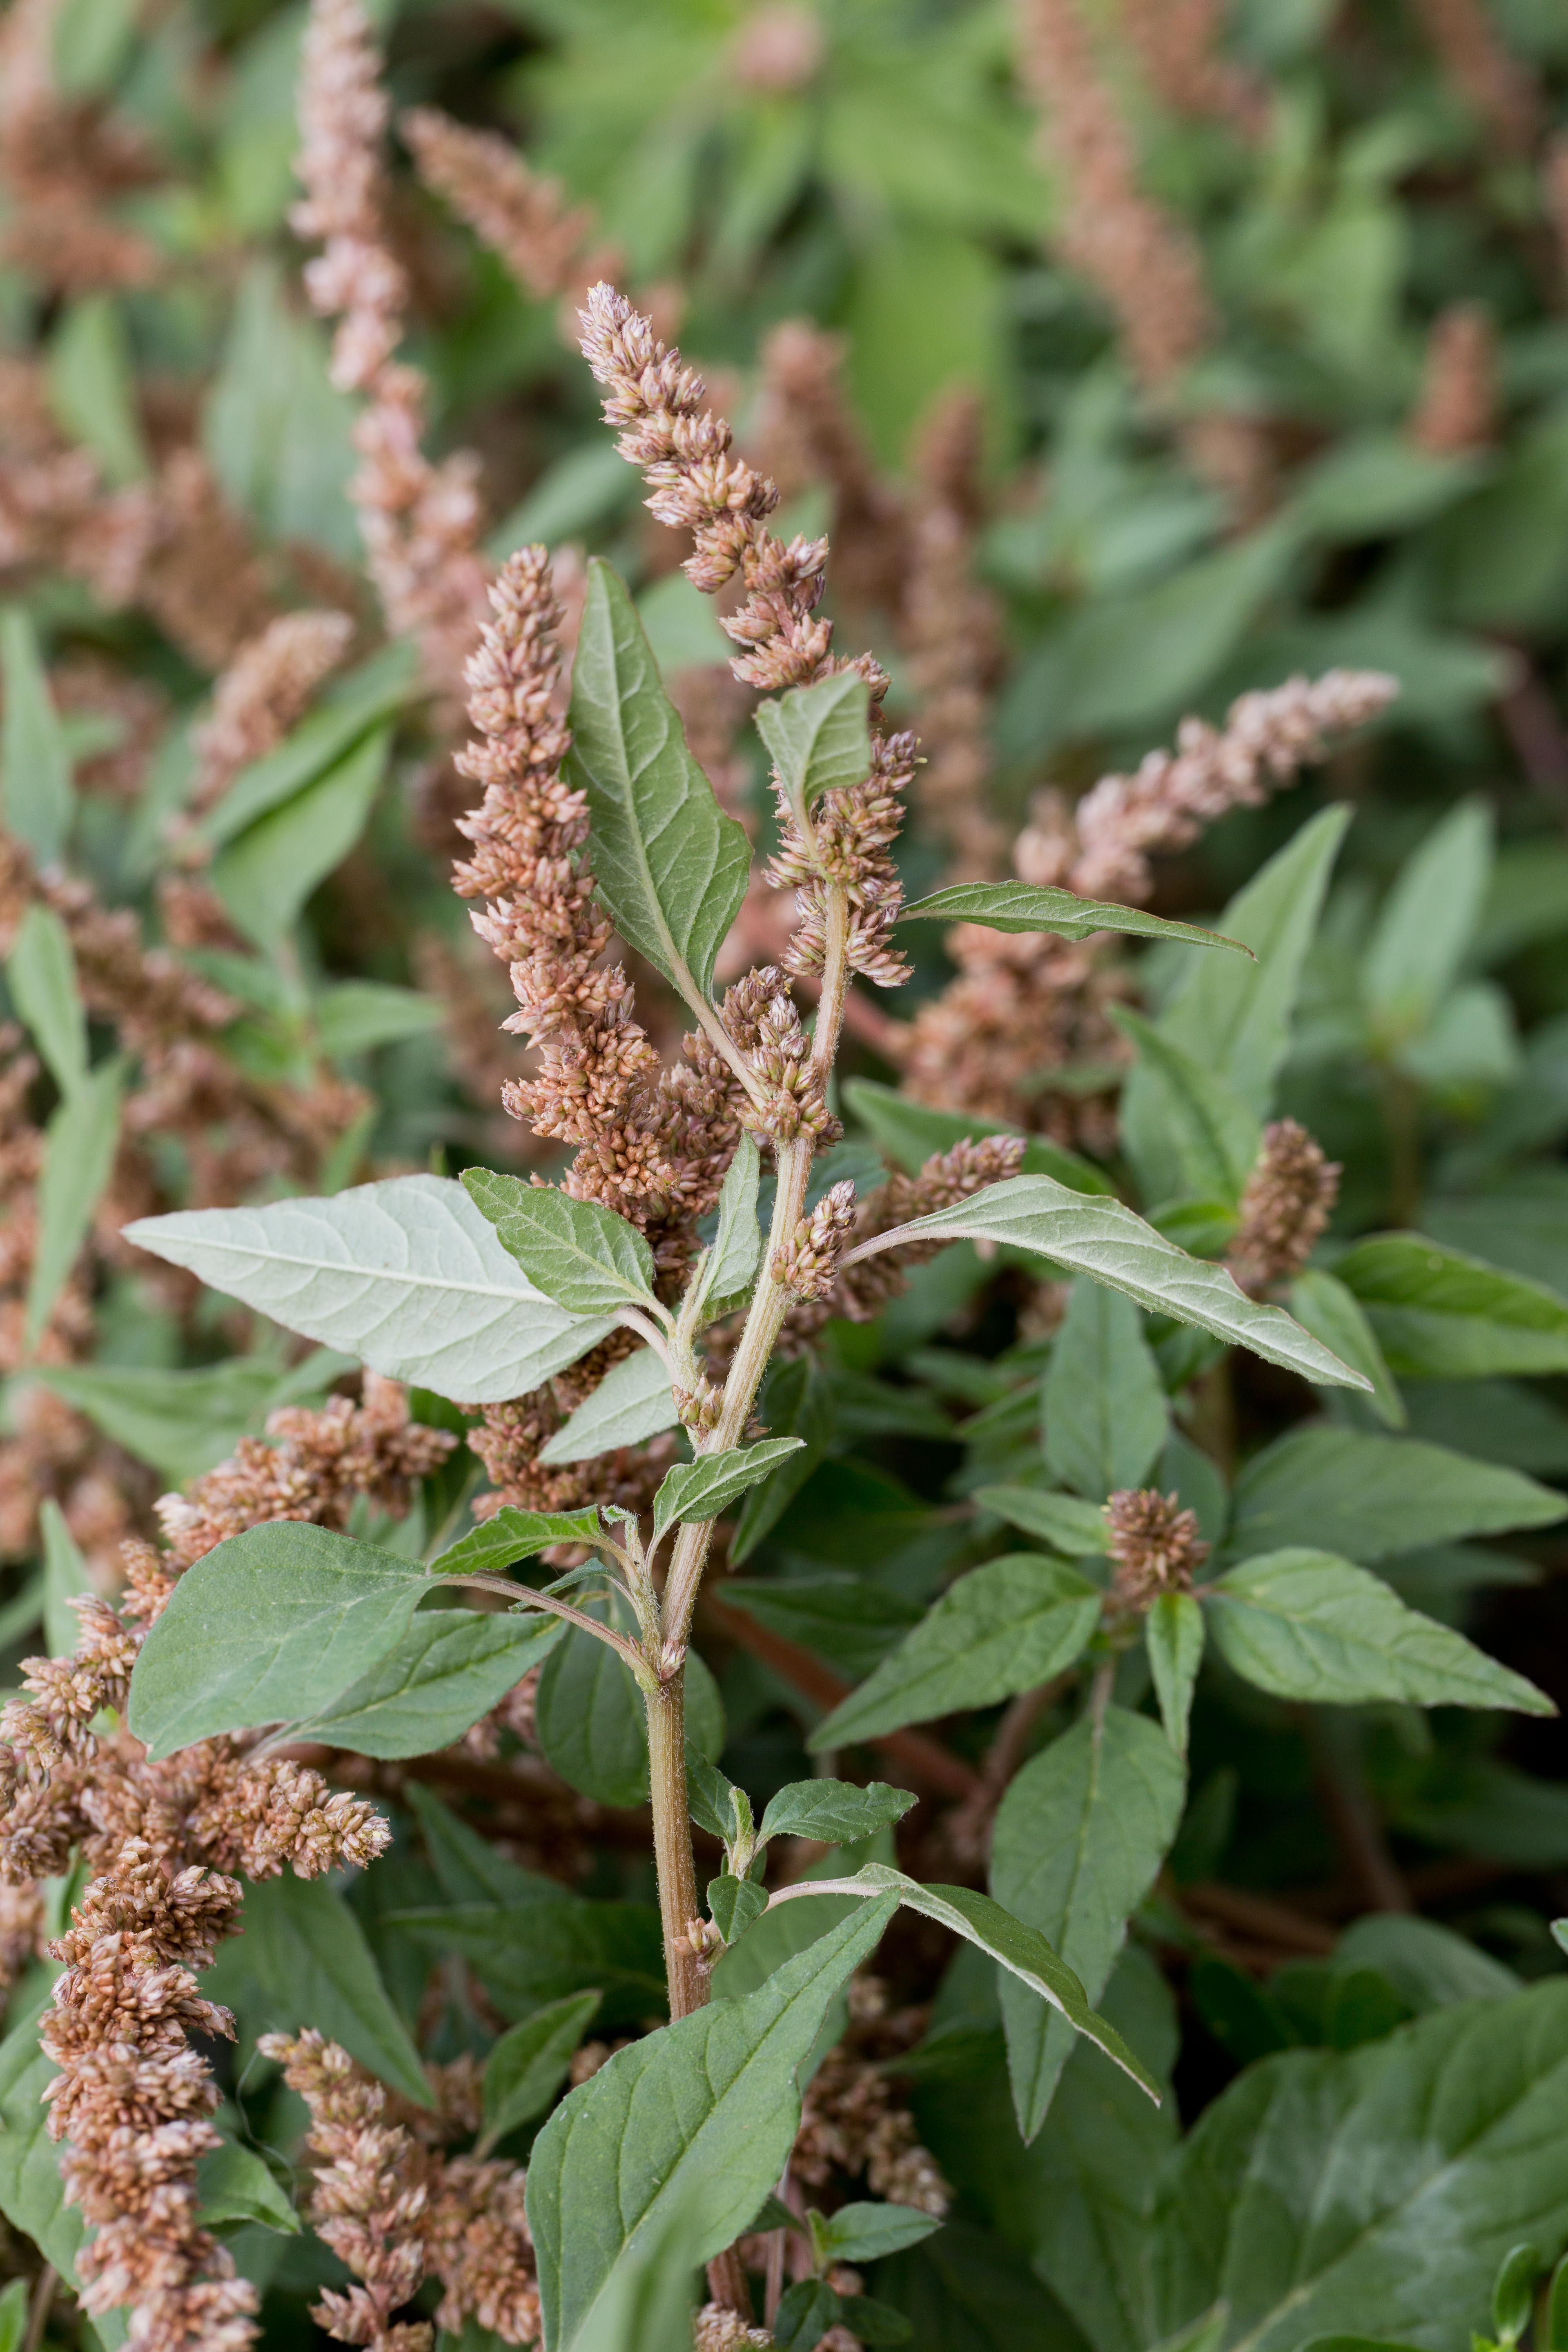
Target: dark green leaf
(1426,922)
(910,1133)
(873,2322)
(1324,1306)
(670,865)
(1080,1835)
(706,1487)
(1206,1133)
(734,1904)
(1440,1315)
(1064,1521)
(1429,1966)
(834,1812)
(32,2193)
(538,1943)
(864,2234)
(1353,1492)
(309,1958)
(356,1015)
(796,1403)
(79,1144)
(65,1579)
(807,2312)
(530,2063)
(499,1542)
(235,2184)
(265,874)
(1106,1416)
(966,2291)
(730,1266)
(1513,2294)
(1002,1628)
(1020,906)
(1173,1635)
(590,1723)
(270,1627)
(582,1256)
(450,1668)
(1304,1624)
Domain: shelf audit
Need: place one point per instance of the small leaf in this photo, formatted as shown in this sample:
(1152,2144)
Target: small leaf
(235,2184)
(65,1579)
(498,1543)
(37,799)
(706,2109)
(90,375)
(633,1403)
(1066,1523)
(450,1668)
(1080,1836)
(349,710)
(1174,1636)
(14,2303)
(1323,1306)
(307,1953)
(864,2234)
(1021,906)
(729,1267)
(40,972)
(1104,1238)
(265,875)
(1427,921)
(407,1274)
(806,2313)
(818,737)
(583,1256)
(79,1144)
(1304,1624)
(1514,2297)
(712,1798)
(703,1488)
(1002,1628)
(1440,1315)
(834,1812)
(672,867)
(268,1627)
(876,2323)
(1106,1416)
(734,1904)
(530,2063)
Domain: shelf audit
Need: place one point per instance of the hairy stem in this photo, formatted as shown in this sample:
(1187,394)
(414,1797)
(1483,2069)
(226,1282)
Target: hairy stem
(677,1906)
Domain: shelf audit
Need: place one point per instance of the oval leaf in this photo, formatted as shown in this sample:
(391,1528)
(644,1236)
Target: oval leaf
(633,1403)
(701,1489)
(582,1256)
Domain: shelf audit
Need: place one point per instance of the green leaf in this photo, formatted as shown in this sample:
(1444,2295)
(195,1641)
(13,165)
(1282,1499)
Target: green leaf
(14,2304)
(538,1943)
(530,2063)
(834,1812)
(183,1422)
(578,1253)
(1106,1416)
(32,2193)
(1439,2141)
(1174,1636)
(734,1904)
(308,1956)
(235,2184)
(1323,1306)
(704,1489)
(405,1274)
(37,798)
(79,1144)
(633,1403)
(357,1015)
(806,2313)
(730,1266)
(1210,1134)
(910,1133)
(1103,1238)
(1429,1966)
(1426,923)
(707,2110)
(1002,1628)
(1080,1836)
(40,972)
(271,1626)
(1350,1491)
(672,867)
(265,874)
(348,711)
(797,1401)
(1020,906)
(451,1667)
(818,737)
(90,375)
(1513,2294)
(1068,1524)
(589,1719)
(65,1579)
(510,1535)
(1304,1624)
(1440,1315)
(716,1804)
(865,2234)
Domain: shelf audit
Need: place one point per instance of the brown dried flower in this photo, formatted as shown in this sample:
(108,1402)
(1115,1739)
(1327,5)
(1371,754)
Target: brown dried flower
(1458,407)
(1155,1547)
(1285,1207)
(524,218)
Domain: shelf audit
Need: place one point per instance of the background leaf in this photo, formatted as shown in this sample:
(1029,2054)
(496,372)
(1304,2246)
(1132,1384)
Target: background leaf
(1020,906)
(79,1144)
(37,794)
(307,1954)
(1350,1491)
(265,874)
(1106,1416)
(40,972)
(1440,1315)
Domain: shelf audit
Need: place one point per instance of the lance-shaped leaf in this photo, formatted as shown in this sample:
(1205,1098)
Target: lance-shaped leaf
(1303,1624)
(407,1274)
(1106,1415)
(835,1813)
(671,866)
(1080,1835)
(498,1543)
(1104,1238)
(529,2064)
(308,1955)
(1002,1628)
(1023,906)
(705,2111)
(265,876)
(818,737)
(729,1267)
(1322,1306)
(40,972)
(1174,1637)
(909,1133)
(270,1626)
(79,1157)
(451,1667)
(577,1252)
(701,1489)
(1032,1965)
(1066,1522)
(37,799)
(1351,1491)
(65,1579)
(1212,1135)
(634,1401)
(1440,1315)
